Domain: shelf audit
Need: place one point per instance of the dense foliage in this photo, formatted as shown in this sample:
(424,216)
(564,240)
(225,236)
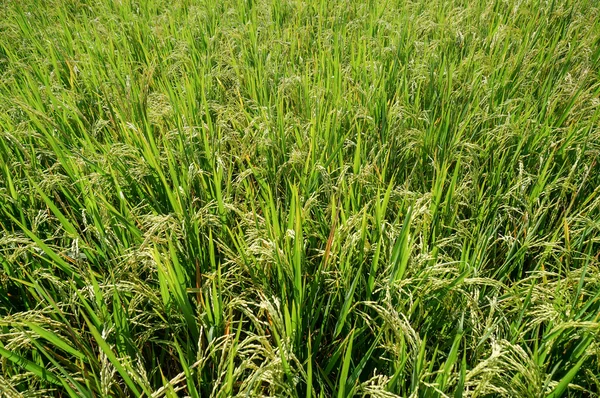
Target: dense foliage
(299,198)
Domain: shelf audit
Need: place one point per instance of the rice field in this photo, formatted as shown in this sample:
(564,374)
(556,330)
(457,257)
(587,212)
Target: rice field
(285,198)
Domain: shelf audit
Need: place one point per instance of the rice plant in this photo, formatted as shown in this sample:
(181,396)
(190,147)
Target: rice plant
(285,198)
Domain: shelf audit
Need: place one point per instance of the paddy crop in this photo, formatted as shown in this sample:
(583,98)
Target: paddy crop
(299,198)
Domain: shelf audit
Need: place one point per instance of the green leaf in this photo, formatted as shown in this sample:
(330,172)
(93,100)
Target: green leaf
(29,366)
(105,348)
(345,367)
